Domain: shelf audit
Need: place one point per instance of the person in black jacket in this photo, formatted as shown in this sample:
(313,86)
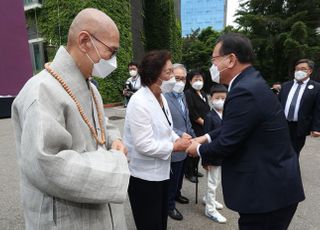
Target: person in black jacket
(300,99)
(213,121)
(261,177)
(198,108)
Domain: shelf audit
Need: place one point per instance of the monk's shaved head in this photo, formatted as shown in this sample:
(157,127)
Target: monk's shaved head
(92,36)
(95,22)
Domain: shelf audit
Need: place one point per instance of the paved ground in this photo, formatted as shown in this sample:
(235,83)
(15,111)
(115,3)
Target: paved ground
(306,218)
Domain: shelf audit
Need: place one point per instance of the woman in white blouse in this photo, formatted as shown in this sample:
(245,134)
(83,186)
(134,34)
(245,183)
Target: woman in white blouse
(149,136)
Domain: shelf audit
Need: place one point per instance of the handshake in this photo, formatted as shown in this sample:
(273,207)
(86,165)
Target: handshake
(188,144)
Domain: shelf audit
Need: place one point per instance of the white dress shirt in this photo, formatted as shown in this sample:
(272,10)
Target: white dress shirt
(149,136)
(290,96)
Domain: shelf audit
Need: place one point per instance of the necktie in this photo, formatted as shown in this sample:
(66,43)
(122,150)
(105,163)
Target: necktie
(293,104)
(181,104)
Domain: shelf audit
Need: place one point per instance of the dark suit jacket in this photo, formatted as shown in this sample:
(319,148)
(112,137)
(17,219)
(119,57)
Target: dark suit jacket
(260,169)
(197,108)
(309,110)
(181,122)
(212,122)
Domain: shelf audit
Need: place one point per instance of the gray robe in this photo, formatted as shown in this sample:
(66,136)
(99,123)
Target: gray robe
(67,180)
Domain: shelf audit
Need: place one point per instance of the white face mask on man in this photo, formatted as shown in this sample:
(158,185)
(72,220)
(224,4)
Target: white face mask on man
(103,68)
(299,75)
(167,86)
(179,87)
(215,73)
(133,73)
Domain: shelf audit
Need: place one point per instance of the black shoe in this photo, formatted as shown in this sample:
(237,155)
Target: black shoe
(199,174)
(182,200)
(175,214)
(192,179)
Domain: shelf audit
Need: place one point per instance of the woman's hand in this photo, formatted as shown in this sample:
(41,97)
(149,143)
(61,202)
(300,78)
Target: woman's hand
(181,144)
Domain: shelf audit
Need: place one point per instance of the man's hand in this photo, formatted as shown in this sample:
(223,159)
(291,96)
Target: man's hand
(119,146)
(192,149)
(201,139)
(315,134)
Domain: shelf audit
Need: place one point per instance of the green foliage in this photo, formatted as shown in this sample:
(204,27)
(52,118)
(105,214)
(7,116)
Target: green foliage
(281,31)
(55,19)
(162,29)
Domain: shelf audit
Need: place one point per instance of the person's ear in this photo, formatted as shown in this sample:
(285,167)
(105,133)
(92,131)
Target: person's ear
(84,41)
(232,61)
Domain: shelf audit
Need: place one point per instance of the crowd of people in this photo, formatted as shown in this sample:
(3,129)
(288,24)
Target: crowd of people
(76,169)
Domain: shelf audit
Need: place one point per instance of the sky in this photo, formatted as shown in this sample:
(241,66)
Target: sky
(231,10)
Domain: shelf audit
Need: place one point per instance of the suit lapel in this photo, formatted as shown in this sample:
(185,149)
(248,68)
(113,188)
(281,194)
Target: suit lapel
(176,103)
(307,91)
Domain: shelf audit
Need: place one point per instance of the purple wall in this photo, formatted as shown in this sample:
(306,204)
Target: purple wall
(15,62)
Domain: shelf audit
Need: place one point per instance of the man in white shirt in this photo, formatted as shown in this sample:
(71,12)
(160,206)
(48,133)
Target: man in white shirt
(300,99)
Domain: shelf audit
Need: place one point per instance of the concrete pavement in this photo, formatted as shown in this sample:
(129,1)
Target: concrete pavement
(307,216)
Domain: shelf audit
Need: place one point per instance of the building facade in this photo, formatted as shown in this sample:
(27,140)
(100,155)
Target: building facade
(201,14)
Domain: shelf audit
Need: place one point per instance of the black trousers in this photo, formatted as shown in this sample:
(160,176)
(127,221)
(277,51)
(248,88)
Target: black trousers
(149,203)
(275,220)
(297,141)
(176,178)
(191,165)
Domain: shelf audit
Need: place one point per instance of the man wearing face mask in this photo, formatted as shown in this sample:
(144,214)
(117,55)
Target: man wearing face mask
(300,99)
(133,83)
(74,171)
(182,126)
(261,177)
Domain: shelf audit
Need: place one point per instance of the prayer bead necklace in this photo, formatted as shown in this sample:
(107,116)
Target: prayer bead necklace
(80,109)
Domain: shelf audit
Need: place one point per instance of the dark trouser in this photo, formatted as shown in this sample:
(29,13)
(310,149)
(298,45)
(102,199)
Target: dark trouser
(191,165)
(176,178)
(297,141)
(276,220)
(149,203)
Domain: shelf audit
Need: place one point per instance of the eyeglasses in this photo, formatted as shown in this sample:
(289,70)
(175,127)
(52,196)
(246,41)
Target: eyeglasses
(112,50)
(214,57)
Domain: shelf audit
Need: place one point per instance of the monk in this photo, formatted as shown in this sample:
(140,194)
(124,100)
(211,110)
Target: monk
(74,172)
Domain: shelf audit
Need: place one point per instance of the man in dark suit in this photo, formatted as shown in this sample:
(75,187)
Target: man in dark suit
(300,99)
(182,126)
(260,171)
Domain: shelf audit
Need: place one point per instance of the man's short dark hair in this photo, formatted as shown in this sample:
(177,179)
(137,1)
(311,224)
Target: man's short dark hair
(152,65)
(309,62)
(237,44)
(218,88)
(136,64)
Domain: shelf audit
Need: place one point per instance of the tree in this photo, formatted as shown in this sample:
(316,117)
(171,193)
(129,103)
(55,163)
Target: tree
(162,29)
(55,19)
(281,31)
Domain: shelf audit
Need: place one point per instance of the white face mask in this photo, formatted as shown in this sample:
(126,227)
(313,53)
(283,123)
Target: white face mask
(299,75)
(215,74)
(104,67)
(133,73)
(179,87)
(197,85)
(167,86)
(218,104)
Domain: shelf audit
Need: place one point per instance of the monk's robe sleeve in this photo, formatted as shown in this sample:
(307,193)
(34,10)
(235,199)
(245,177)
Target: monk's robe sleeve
(51,166)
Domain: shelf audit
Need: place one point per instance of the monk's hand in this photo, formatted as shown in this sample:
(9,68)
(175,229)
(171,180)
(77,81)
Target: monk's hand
(119,146)
(192,149)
